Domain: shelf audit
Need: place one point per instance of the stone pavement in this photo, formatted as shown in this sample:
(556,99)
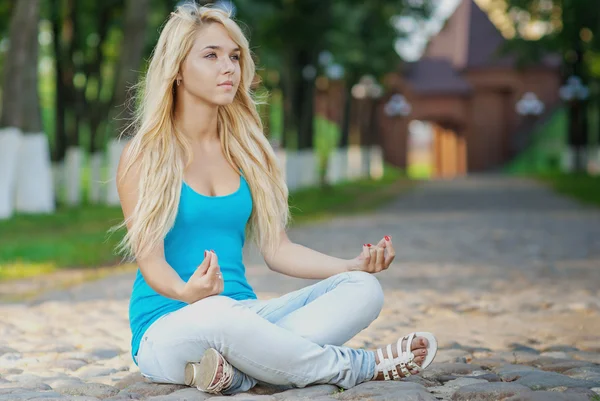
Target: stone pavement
(504,272)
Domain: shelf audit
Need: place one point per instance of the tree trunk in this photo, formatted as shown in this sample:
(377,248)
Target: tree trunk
(345,128)
(33,187)
(20,70)
(288,88)
(60,139)
(136,22)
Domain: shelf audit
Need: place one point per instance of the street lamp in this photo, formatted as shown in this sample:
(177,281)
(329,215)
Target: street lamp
(574,92)
(367,88)
(397,106)
(530,105)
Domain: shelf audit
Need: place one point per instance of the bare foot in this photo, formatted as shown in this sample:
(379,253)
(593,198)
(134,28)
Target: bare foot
(219,372)
(418,347)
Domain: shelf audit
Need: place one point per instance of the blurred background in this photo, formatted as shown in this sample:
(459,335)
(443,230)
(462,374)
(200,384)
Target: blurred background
(364,100)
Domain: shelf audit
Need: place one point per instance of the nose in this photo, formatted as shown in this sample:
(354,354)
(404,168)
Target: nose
(227,66)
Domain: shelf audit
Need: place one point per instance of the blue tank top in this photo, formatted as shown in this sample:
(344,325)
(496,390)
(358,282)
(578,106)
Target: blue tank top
(202,222)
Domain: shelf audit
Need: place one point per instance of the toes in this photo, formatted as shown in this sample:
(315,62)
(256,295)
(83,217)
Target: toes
(420,351)
(419,360)
(419,342)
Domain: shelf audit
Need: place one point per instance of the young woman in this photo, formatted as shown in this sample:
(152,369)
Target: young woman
(197,176)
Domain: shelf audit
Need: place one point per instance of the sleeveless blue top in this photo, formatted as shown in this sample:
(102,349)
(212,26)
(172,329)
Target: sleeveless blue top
(202,223)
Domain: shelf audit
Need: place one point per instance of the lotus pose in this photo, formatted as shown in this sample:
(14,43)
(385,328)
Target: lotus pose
(197,177)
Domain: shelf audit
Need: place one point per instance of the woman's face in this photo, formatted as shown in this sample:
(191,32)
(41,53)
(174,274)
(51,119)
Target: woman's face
(211,71)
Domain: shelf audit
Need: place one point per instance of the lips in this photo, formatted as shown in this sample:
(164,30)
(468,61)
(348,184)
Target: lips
(226,83)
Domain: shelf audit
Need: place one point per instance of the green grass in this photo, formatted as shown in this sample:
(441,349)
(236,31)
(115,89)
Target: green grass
(348,198)
(420,171)
(582,187)
(543,155)
(77,237)
(71,237)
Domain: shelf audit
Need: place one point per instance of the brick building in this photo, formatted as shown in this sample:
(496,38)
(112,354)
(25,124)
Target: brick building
(468,91)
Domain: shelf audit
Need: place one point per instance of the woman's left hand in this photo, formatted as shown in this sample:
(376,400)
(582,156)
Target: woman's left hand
(374,258)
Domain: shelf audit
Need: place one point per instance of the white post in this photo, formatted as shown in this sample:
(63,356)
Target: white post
(72,173)
(95,188)
(338,166)
(35,184)
(292,170)
(115,148)
(365,158)
(376,167)
(309,175)
(354,162)
(10,139)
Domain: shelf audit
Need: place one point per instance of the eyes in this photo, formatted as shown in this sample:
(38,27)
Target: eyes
(213,55)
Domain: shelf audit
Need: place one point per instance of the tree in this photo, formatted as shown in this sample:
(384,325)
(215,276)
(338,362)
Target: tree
(20,102)
(135,30)
(32,178)
(569,32)
(291,34)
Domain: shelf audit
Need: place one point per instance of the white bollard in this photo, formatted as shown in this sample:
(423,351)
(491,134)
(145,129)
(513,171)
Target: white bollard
(72,175)
(292,167)
(337,166)
(354,162)
(309,173)
(376,166)
(365,162)
(10,139)
(35,184)
(115,148)
(96,185)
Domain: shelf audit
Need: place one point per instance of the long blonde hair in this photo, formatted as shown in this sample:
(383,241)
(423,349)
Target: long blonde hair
(163,152)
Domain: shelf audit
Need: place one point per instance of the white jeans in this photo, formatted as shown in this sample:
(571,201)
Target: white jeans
(295,340)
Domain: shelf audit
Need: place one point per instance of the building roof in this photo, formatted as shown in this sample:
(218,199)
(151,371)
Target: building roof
(435,76)
(469,39)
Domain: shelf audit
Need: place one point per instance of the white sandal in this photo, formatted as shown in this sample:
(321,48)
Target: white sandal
(405,358)
(202,375)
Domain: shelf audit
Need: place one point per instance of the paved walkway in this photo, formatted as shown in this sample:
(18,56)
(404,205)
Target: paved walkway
(504,272)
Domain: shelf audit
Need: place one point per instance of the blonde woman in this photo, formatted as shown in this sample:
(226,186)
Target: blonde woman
(197,176)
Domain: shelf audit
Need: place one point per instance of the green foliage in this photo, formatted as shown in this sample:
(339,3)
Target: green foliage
(327,135)
(544,153)
(582,187)
(77,237)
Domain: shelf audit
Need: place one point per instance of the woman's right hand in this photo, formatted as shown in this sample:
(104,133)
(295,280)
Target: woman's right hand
(205,281)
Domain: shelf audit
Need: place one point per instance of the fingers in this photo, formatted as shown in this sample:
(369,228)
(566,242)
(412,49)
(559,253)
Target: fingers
(381,243)
(391,253)
(365,251)
(377,259)
(214,259)
(216,279)
(203,267)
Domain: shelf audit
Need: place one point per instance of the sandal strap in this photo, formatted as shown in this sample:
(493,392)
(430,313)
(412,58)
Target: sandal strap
(405,359)
(383,364)
(404,370)
(406,356)
(395,374)
(226,378)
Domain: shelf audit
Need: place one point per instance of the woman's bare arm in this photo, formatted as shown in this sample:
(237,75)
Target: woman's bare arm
(159,275)
(299,261)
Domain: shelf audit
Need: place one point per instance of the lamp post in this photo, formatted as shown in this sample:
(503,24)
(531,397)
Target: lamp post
(367,91)
(397,106)
(574,93)
(529,107)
